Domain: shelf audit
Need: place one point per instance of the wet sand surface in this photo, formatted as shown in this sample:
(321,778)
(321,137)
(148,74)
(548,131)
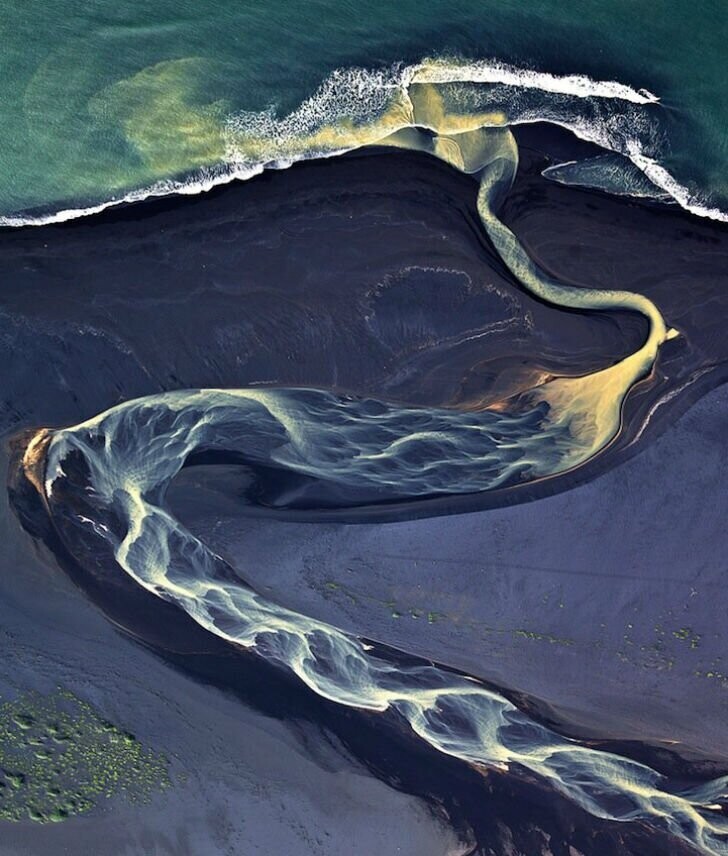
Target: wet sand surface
(257,762)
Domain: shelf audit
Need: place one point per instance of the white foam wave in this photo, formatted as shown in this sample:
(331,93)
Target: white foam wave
(660,177)
(200,182)
(607,113)
(492,71)
(657,174)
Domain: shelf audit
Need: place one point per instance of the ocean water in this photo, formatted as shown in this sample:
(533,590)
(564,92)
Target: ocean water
(105,101)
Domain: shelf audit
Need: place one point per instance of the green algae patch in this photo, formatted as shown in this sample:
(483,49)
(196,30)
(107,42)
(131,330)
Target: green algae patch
(59,758)
(686,634)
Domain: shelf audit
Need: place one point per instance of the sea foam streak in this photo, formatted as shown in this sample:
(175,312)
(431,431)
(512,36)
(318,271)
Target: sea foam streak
(348,109)
(105,480)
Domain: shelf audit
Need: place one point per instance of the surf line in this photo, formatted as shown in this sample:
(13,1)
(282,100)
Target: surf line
(351,105)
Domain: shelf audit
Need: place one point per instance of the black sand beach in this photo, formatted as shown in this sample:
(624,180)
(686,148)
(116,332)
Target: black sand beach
(556,592)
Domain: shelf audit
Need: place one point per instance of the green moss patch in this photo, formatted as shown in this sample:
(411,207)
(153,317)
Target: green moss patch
(59,757)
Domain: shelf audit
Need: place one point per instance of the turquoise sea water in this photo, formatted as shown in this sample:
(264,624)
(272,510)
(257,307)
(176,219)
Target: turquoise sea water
(101,99)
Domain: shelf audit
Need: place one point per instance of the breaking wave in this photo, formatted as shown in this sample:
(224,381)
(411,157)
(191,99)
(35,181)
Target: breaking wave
(356,107)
